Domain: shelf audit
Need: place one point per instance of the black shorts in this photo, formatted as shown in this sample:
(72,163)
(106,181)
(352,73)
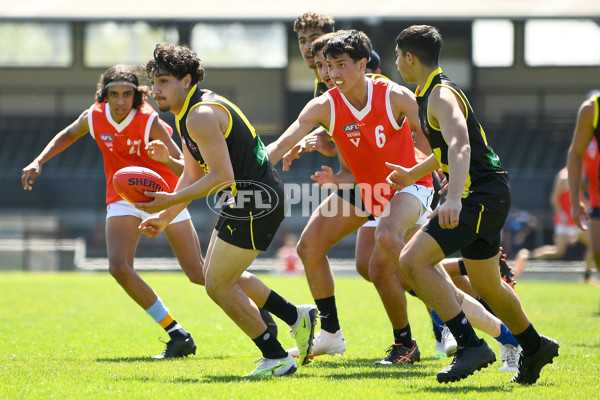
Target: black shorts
(253,224)
(477,235)
(354,197)
(594,212)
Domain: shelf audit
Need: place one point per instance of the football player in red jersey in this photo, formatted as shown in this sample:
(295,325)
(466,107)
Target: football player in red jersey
(128,132)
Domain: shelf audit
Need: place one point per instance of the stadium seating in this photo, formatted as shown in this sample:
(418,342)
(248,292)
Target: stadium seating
(531,148)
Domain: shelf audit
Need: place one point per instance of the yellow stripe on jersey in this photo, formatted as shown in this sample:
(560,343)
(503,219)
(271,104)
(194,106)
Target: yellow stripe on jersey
(437,152)
(462,99)
(239,113)
(252,231)
(428,83)
(479,219)
(185,106)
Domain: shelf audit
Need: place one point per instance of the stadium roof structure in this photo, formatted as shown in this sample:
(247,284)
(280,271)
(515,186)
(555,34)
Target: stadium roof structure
(189,10)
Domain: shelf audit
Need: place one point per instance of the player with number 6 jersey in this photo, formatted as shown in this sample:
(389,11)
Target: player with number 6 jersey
(370,123)
(373,134)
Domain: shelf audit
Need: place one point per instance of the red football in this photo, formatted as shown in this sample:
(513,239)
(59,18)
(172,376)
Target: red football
(132,182)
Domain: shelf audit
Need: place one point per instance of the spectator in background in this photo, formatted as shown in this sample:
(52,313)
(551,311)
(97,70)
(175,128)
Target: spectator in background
(566,232)
(288,256)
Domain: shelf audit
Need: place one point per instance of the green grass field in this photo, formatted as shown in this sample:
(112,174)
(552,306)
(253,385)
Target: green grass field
(78,335)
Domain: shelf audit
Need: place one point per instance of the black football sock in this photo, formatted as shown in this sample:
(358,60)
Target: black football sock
(328,314)
(281,308)
(269,346)
(462,331)
(529,340)
(175,331)
(403,336)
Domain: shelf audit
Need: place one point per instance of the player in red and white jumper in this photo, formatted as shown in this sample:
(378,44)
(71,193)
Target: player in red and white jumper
(370,122)
(129,132)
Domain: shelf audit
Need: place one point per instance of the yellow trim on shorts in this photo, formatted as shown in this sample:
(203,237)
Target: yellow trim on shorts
(479,219)
(252,231)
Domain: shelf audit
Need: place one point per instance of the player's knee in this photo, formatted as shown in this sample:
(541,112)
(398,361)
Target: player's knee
(119,269)
(389,241)
(213,289)
(307,249)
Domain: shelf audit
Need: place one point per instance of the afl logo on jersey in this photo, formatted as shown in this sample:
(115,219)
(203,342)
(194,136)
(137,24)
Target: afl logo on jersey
(108,140)
(106,137)
(351,128)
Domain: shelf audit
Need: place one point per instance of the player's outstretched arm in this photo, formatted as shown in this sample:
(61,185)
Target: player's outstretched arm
(59,143)
(402,177)
(582,136)
(316,112)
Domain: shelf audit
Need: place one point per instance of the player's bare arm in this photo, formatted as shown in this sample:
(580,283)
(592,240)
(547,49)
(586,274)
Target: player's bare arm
(316,112)
(319,140)
(581,138)
(402,177)
(448,113)
(327,179)
(206,125)
(155,225)
(161,148)
(58,144)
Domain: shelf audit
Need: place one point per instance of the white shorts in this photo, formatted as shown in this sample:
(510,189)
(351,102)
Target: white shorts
(370,224)
(122,207)
(422,193)
(567,230)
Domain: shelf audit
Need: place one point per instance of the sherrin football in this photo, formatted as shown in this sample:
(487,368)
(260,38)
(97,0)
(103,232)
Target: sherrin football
(132,182)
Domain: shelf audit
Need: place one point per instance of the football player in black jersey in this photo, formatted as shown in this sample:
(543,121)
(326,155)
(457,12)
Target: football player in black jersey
(226,161)
(469,221)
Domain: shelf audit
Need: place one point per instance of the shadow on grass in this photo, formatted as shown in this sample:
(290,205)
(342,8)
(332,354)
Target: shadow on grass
(586,345)
(348,369)
(152,360)
(460,390)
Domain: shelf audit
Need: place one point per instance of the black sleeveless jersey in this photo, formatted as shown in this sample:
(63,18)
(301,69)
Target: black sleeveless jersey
(486,175)
(248,154)
(320,88)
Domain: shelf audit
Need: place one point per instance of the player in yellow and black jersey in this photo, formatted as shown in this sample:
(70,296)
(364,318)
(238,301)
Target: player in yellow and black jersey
(224,155)
(247,152)
(469,221)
